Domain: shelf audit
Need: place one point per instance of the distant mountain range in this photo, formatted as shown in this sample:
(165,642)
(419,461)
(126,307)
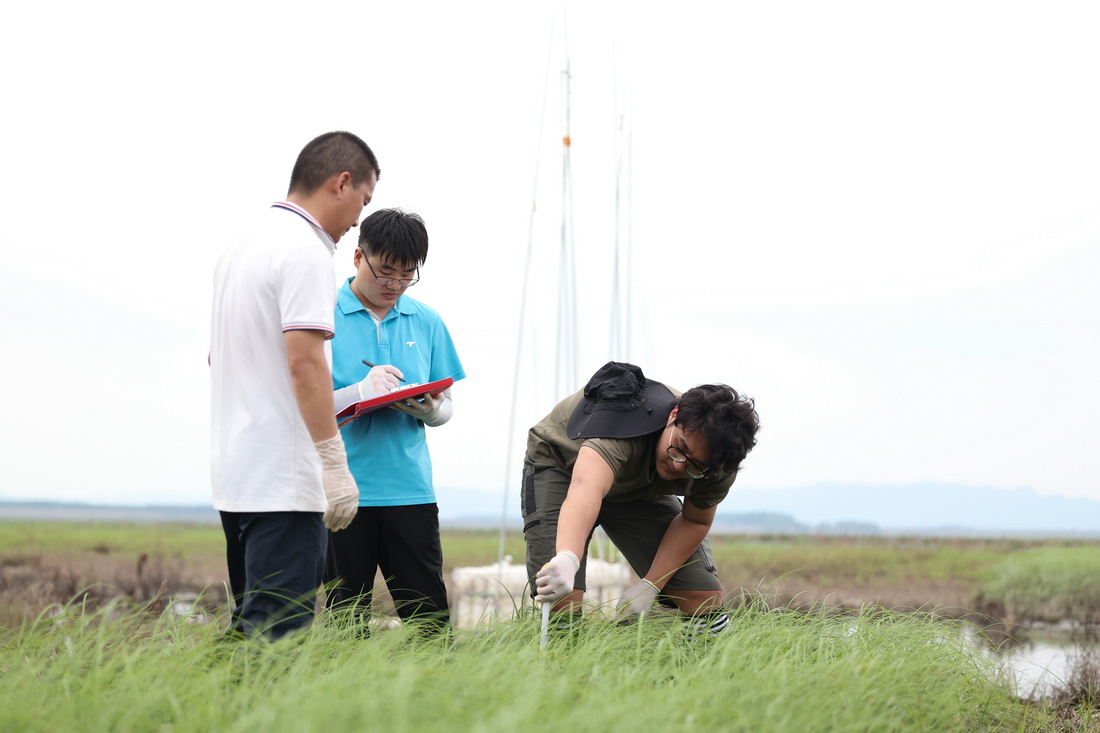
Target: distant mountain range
(936,509)
(926,506)
(66,511)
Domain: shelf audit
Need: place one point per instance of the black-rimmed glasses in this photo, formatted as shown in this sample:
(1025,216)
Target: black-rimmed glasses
(678,456)
(403,283)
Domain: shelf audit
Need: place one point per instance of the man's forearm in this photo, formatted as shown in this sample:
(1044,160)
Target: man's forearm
(312,382)
(577,518)
(681,539)
(591,480)
(313,391)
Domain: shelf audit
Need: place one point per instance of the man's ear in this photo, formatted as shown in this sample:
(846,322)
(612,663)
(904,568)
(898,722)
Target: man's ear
(672,415)
(341,183)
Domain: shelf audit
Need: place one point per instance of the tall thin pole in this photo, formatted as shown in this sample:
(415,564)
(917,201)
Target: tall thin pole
(622,276)
(509,484)
(567,357)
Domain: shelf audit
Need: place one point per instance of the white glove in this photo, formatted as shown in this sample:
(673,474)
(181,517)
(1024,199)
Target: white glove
(554,580)
(636,601)
(341,491)
(380,380)
(432,411)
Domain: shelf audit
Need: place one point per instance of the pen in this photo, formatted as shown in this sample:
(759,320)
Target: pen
(372,366)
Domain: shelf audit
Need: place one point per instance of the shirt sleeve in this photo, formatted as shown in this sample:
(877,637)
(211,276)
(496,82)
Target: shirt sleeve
(710,492)
(445,361)
(616,453)
(306,290)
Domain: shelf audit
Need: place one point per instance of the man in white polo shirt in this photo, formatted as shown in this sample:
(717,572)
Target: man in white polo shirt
(279,470)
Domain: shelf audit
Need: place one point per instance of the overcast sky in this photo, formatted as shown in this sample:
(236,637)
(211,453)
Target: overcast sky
(880,220)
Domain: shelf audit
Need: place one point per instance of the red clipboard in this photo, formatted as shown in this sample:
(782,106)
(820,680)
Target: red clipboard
(359,409)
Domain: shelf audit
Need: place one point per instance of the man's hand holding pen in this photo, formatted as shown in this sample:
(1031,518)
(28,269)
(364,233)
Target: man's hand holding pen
(380,380)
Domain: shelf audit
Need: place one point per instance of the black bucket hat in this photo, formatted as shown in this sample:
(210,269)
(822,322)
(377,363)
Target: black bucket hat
(619,402)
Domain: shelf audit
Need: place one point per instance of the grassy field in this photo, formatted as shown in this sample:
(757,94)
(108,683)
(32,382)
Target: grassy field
(43,563)
(1050,583)
(831,633)
(121,669)
(1021,580)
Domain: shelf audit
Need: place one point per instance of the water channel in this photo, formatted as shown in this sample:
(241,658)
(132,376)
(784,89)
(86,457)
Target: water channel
(1039,664)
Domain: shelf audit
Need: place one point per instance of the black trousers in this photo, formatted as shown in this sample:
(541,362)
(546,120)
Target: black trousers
(276,563)
(402,542)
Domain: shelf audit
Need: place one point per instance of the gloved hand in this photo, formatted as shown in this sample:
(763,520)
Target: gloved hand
(432,411)
(554,580)
(636,601)
(341,492)
(380,380)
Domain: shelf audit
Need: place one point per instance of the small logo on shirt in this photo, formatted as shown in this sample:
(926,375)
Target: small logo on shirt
(409,343)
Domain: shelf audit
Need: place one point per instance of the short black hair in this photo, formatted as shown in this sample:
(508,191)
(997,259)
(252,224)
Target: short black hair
(726,419)
(398,237)
(326,155)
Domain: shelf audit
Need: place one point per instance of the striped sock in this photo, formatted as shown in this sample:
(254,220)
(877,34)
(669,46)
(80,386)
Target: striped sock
(709,624)
(564,623)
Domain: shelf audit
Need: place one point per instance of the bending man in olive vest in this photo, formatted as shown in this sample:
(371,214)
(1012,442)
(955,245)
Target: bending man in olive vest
(618,455)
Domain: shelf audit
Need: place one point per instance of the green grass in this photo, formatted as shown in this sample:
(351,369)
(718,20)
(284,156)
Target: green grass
(847,560)
(1049,583)
(820,560)
(29,538)
(111,667)
(170,540)
(480,547)
(119,670)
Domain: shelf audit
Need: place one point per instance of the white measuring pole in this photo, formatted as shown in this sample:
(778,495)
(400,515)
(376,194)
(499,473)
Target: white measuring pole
(545,625)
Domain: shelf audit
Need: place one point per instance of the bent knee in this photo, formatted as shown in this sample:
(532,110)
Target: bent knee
(695,602)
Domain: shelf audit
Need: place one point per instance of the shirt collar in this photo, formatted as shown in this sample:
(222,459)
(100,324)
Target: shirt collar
(308,217)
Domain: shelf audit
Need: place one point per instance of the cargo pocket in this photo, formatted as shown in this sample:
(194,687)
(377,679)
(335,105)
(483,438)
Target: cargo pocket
(706,556)
(527,496)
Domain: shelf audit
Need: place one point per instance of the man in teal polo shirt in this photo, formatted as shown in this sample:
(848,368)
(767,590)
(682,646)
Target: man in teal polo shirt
(397,527)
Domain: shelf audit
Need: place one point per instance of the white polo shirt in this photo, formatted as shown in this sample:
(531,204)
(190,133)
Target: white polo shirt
(278,279)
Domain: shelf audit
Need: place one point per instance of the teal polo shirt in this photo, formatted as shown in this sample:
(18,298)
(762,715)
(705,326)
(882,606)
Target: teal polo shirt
(387,450)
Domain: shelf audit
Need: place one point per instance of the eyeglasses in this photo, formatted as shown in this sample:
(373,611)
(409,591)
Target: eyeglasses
(402,283)
(678,456)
